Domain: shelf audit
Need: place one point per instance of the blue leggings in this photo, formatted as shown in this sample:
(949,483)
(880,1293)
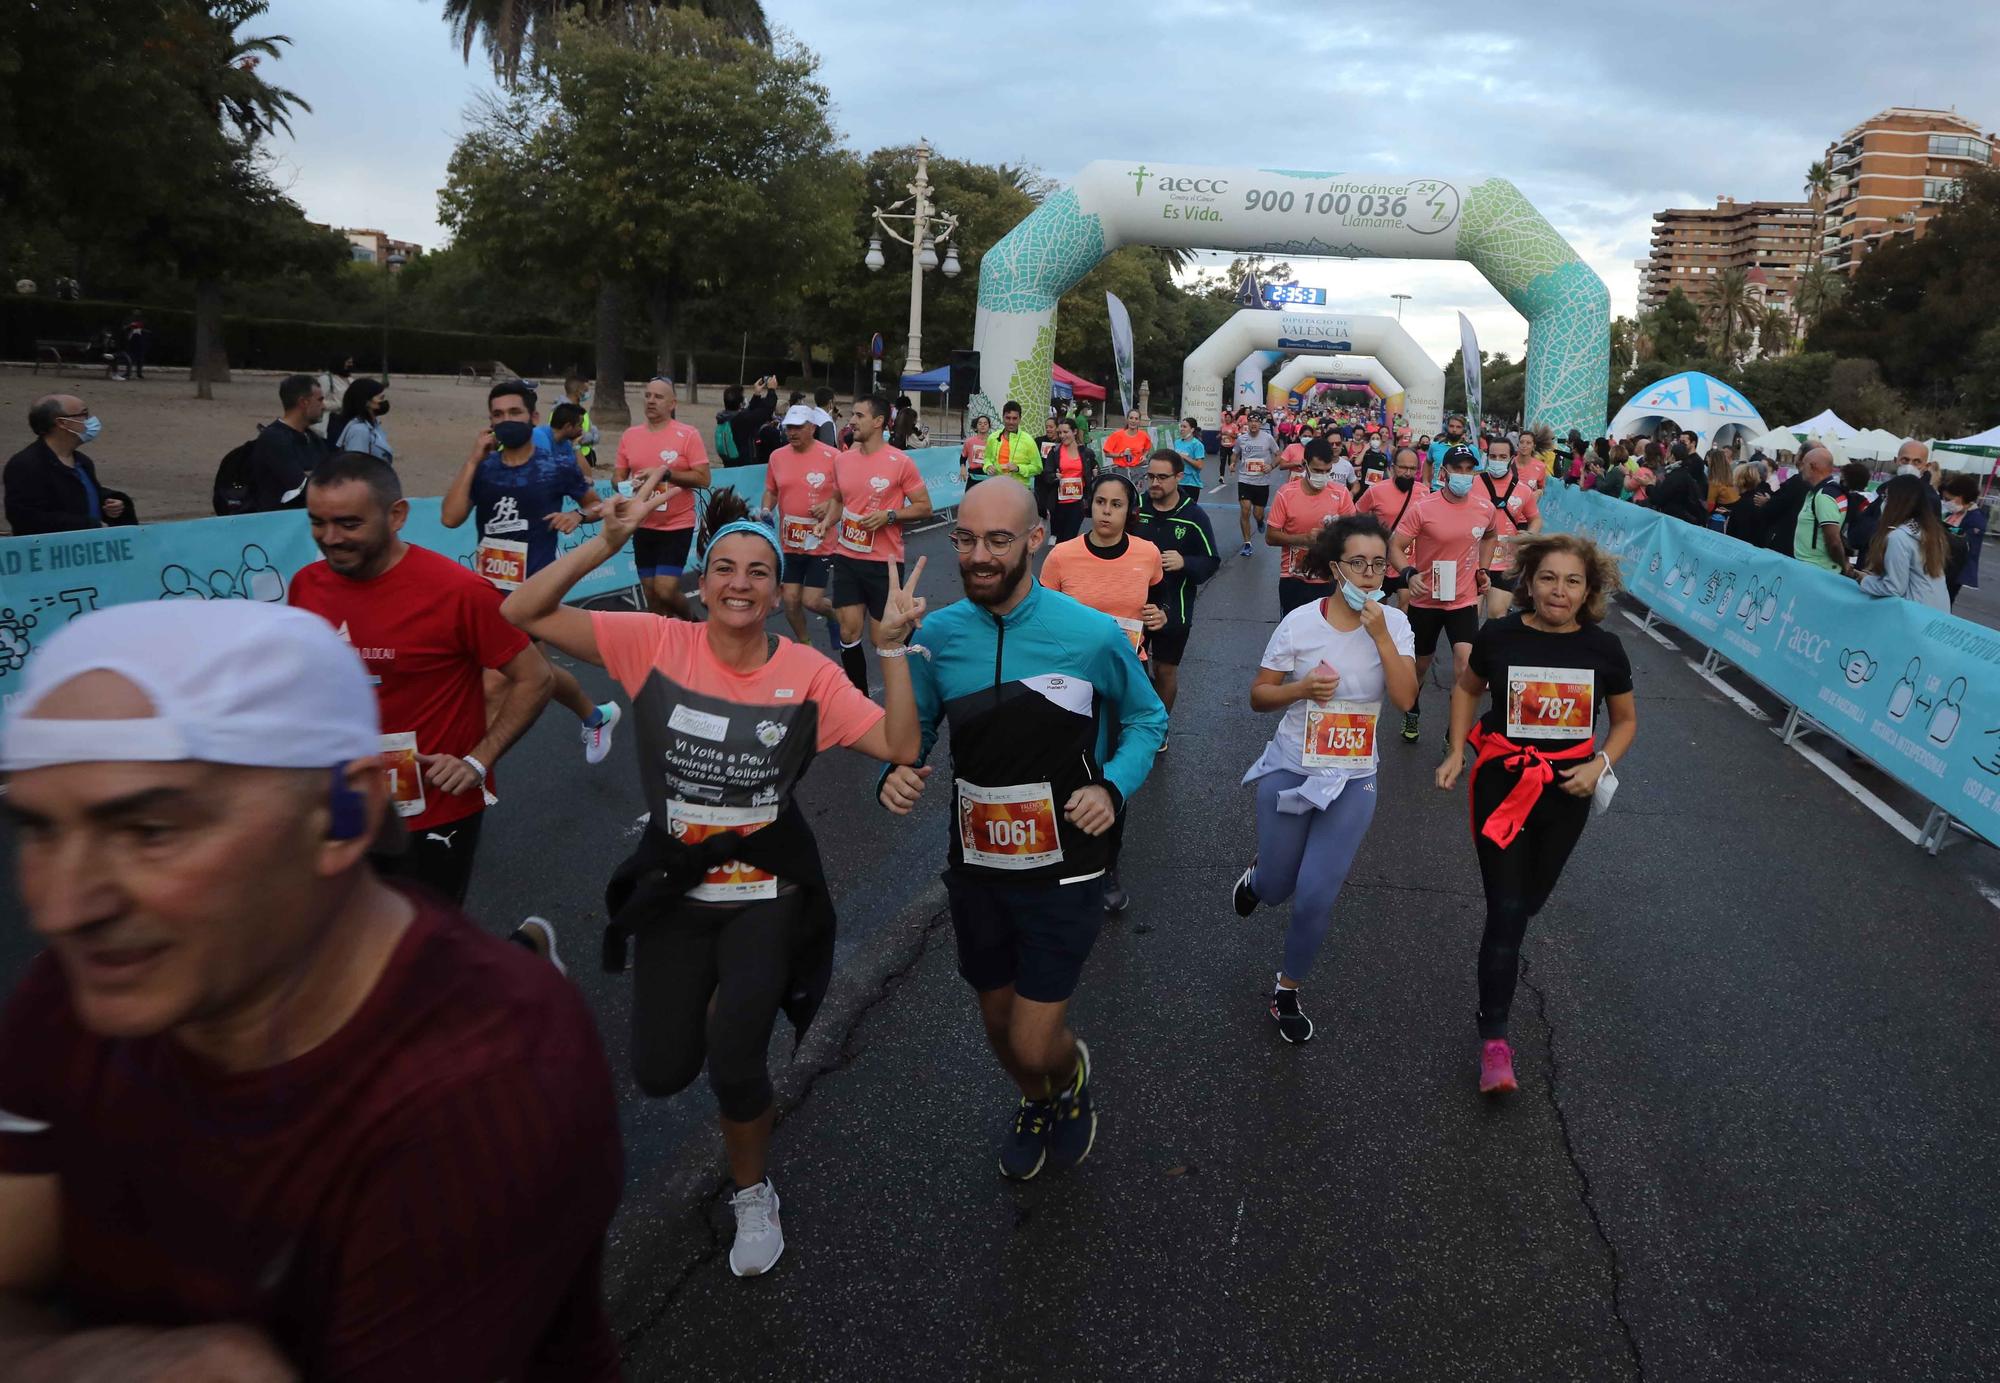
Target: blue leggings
(1307,856)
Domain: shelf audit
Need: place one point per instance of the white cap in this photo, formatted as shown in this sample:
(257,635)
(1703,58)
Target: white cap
(231,682)
(798,415)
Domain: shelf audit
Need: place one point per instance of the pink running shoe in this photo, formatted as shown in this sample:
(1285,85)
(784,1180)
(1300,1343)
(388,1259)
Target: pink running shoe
(1496,1067)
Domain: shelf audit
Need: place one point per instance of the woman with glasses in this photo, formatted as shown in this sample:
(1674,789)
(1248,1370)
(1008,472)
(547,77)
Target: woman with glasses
(1108,569)
(1072,466)
(1328,668)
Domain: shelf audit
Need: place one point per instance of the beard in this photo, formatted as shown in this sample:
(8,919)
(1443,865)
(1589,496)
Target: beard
(994,583)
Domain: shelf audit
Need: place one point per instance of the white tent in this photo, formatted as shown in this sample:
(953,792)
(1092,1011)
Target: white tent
(1977,453)
(1776,440)
(1700,403)
(1826,423)
(1873,445)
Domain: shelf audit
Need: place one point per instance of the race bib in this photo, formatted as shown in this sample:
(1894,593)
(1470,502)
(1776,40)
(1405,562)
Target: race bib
(853,536)
(503,562)
(1341,734)
(1551,703)
(800,534)
(1135,630)
(1255,465)
(1069,489)
(1008,828)
(733,881)
(406,776)
(1444,580)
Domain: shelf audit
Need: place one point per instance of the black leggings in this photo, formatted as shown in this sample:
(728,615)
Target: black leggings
(1518,881)
(710,988)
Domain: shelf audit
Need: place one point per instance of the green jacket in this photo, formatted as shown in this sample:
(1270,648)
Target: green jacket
(1026,468)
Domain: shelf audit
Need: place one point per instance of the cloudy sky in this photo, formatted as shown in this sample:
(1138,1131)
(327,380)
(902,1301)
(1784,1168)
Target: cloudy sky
(1600,116)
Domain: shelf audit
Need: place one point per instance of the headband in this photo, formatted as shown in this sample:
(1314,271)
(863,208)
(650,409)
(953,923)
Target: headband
(742,526)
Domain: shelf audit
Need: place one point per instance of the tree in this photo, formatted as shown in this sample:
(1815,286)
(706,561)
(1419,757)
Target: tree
(1733,310)
(1774,331)
(1671,331)
(514,32)
(1819,187)
(1820,288)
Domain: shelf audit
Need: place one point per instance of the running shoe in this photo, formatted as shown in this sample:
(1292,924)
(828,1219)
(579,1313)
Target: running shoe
(1027,1145)
(597,738)
(1412,727)
(538,934)
(759,1240)
(1243,551)
(1075,1130)
(1293,1025)
(1116,899)
(1246,892)
(1496,1067)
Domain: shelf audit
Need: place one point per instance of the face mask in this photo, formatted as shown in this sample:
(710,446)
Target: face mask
(1314,480)
(1356,597)
(381,407)
(513,434)
(92,426)
(1404,482)
(1498,468)
(1907,470)
(1459,485)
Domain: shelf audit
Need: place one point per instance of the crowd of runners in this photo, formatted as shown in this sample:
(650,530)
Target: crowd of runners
(181,774)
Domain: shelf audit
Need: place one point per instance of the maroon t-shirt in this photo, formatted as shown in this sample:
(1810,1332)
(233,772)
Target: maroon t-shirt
(424,1195)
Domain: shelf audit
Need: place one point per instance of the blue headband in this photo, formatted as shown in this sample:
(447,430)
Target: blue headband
(742,526)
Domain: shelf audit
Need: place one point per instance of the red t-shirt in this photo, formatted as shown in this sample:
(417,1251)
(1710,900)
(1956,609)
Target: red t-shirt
(866,484)
(1297,510)
(426,629)
(798,481)
(1447,531)
(423,1195)
(674,446)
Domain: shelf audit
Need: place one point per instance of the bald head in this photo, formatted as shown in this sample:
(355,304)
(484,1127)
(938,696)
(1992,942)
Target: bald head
(988,506)
(1912,453)
(997,534)
(1817,463)
(46,412)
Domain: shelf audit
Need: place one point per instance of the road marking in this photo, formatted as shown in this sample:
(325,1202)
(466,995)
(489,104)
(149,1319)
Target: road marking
(1655,635)
(1743,703)
(1237,1232)
(1854,789)
(1990,894)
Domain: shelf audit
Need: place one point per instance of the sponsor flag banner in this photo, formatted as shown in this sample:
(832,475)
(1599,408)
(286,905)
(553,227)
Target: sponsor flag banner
(1121,347)
(1475,395)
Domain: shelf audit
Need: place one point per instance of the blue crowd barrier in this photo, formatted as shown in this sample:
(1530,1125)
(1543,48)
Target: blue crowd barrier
(1913,691)
(49,579)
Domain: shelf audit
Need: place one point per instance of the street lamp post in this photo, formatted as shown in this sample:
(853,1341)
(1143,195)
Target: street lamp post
(1400,298)
(931,227)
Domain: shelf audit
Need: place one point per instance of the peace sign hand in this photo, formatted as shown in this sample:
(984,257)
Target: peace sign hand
(903,611)
(624,514)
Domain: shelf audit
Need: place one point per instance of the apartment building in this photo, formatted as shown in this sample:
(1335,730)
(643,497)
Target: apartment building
(375,247)
(1692,246)
(1891,173)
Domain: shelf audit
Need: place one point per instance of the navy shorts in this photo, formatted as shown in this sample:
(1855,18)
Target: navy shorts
(803,569)
(661,551)
(1034,936)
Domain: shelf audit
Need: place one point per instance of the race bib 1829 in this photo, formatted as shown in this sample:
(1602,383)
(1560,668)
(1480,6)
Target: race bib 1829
(1551,703)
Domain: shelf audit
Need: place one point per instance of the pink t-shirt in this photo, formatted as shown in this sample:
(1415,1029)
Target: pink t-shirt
(867,484)
(633,644)
(1298,510)
(797,481)
(1293,457)
(1384,501)
(1449,531)
(1523,507)
(675,446)
(1534,472)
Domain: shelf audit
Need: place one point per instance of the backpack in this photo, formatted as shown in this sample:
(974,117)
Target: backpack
(1960,554)
(725,438)
(232,481)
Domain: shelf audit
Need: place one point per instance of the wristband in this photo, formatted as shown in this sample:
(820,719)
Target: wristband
(474,765)
(901,650)
(1409,572)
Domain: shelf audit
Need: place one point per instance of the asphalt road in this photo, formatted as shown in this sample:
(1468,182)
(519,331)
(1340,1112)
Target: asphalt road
(1754,1138)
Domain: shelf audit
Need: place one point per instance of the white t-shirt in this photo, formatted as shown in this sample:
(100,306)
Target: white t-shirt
(1302,640)
(1343,471)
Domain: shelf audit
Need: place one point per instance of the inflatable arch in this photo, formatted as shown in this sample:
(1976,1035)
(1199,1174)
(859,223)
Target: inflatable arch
(1250,377)
(1487,223)
(1316,333)
(1304,372)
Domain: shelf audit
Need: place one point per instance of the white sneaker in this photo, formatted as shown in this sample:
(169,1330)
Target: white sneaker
(597,738)
(759,1240)
(538,934)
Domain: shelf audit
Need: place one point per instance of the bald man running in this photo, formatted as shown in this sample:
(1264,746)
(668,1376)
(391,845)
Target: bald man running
(1031,682)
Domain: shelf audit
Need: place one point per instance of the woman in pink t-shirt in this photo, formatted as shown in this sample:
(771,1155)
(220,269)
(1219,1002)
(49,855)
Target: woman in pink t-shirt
(725,895)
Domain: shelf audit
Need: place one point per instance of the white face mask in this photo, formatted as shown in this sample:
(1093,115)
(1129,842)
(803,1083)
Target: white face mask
(1907,470)
(1314,479)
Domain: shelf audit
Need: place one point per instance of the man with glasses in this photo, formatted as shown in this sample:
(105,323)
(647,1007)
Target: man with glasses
(1172,521)
(1443,545)
(1303,507)
(677,454)
(1387,500)
(51,485)
(1033,684)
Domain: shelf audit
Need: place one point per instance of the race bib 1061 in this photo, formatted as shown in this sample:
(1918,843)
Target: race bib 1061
(1551,703)
(1008,827)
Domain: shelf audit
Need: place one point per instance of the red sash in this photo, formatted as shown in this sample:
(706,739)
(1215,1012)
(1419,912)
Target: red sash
(1535,768)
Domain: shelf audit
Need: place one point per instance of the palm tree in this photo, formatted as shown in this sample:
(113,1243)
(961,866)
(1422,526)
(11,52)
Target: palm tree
(1819,187)
(510,29)
(1733,308)
(1819,289)
(1774,331)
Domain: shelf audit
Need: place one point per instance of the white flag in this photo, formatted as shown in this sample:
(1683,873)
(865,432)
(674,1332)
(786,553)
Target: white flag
(1121,347)
(1468,349)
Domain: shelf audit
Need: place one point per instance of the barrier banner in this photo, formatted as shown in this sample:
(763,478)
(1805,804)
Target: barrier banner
(1913,691)
(49,579)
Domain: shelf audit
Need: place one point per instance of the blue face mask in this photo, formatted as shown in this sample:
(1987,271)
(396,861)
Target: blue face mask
(91,427)
(1356,597)
(1498,469)
(1459,485)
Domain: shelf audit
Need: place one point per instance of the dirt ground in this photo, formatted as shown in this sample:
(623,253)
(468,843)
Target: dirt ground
(161,445)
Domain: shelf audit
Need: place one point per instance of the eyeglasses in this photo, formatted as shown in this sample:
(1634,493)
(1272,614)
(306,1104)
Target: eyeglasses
(1159,475)
(1366,566)
(84,414)
(997,543)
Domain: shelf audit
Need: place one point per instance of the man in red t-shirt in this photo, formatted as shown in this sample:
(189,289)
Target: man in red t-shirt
(878,490)
(1130,446)
(427,629)
(262,1115)
(674,450)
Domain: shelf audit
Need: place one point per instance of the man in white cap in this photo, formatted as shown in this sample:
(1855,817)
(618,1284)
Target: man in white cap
(800,490)
(263,1115)
(427,629)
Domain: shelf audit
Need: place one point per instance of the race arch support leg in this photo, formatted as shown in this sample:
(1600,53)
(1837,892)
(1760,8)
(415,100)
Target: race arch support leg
(1020,281)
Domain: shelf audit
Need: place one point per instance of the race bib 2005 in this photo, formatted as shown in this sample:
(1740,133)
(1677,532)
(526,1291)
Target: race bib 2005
(1008,828)
(503,562)
(1341,734)
(1551,703)
(734,881)
(406,776)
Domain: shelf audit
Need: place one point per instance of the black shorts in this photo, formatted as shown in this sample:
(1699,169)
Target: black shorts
(1258,495)
(1294,591)
(804,569)
(1503,580)
(1166,645)
(858,581)
(1459,625)
(438,858)
(662,551)
(1034,936)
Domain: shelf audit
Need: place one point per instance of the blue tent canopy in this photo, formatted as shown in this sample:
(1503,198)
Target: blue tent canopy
(930,381)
